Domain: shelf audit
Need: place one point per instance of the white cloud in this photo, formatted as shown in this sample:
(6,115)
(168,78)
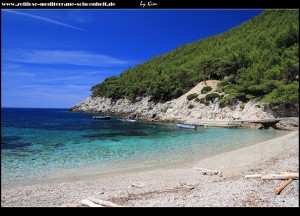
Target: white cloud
(43,19)
(10,66)
(61,57)
(18,74)
(54,88)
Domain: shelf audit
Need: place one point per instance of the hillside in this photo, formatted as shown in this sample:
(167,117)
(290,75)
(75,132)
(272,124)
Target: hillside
(256,60)
(236,79)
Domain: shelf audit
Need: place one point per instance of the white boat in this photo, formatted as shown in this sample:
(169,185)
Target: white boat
(128,120)
(189,126)
(101,117)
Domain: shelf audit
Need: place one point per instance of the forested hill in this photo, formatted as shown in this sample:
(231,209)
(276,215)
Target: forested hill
(258,59)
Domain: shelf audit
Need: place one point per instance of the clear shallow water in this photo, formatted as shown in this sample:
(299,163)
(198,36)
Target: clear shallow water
(38,144)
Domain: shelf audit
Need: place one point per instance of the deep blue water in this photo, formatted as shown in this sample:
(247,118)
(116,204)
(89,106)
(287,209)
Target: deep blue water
(39,143)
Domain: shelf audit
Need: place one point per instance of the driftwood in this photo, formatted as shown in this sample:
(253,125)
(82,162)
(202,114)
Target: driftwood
(205,171)
(253,176)
(103,202)
(188,186)
(89,203)
(282,176)
(282,186)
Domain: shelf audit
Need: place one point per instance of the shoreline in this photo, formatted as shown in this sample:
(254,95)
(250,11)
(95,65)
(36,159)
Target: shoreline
(122,167)
(158,187)
(278,123)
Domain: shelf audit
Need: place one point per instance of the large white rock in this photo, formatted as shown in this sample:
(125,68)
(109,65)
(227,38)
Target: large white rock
(177,109)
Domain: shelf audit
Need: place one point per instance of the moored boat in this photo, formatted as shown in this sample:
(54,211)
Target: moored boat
(128,120)
(189,126)
(101,117)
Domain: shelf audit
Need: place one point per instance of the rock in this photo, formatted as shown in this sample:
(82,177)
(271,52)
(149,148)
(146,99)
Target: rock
(251,125)
(205,171)
(177,109)
(137,184)
(291,123)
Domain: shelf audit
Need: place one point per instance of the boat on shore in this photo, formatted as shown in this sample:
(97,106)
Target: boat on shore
(101,117)
(188,126)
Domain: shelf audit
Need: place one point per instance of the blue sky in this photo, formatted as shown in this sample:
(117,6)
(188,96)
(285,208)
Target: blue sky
(51,58)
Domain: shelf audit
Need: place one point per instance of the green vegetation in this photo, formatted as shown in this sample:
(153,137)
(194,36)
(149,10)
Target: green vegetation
(192,96)
(206,89)
(284,94)
(204,101)
(228,100)
(242,106)
(212,96)
(190,106)
(258,59)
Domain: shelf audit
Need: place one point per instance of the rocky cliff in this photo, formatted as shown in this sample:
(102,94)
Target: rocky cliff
(181,109)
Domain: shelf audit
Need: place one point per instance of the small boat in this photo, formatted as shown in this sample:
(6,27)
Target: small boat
(101,117)
(189,126)
(128,120)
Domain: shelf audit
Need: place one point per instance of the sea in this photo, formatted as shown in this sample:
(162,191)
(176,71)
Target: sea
(49,144)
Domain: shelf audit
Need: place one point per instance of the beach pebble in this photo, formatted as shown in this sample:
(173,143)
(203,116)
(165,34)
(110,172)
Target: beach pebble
(138,184)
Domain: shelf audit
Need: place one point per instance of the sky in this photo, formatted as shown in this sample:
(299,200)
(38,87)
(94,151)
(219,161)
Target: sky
(52,58)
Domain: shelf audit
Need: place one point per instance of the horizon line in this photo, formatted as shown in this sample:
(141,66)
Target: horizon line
(35,107)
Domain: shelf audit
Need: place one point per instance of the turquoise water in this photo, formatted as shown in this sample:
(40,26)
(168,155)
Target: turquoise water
(37,144)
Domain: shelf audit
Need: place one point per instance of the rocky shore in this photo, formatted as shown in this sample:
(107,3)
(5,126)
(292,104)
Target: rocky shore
(248,115)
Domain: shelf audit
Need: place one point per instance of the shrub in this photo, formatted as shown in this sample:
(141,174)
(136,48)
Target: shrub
(192,96)
(212,96)
(228,100)
(257,106)
(249,97)
(242,106)
(197,100)
(223,102)
(191,106)
(204,101)
(206,89)
(219,89)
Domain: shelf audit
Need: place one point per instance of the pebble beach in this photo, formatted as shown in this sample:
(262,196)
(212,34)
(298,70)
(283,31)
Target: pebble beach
(180,186)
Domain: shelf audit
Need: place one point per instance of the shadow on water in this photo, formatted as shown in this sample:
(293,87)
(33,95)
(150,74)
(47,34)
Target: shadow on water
(14,145)
(7,139)
(13,142)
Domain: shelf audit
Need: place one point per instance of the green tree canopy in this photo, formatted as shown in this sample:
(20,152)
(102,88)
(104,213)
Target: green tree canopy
(258,59)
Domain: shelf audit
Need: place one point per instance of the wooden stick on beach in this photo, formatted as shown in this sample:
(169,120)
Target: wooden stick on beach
(89,203)
(253,176)
(282,186)
(282,176)
(103,202)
